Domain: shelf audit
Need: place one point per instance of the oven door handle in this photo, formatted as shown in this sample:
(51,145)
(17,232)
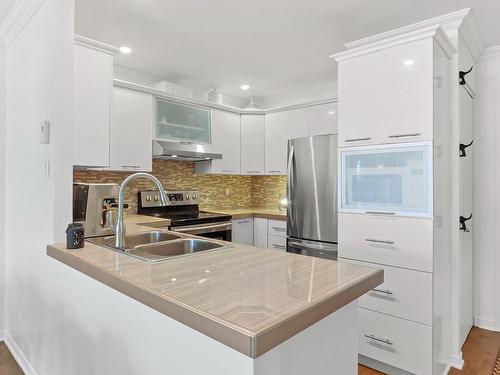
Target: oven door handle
(203,228)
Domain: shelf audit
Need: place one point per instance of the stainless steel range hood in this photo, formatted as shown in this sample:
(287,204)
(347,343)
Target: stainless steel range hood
(182,151)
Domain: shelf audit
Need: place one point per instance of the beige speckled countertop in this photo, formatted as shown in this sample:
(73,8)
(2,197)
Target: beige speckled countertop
(248,298)
(240,213)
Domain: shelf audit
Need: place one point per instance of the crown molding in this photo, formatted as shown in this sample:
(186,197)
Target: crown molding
(398,38)
(18,17)
(462,20)
(94,44)
(491,53)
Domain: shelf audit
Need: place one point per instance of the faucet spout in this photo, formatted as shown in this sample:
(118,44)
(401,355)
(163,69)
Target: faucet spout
(120,226)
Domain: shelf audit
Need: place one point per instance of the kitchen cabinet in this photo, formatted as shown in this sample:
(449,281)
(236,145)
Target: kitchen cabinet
(260,232)
(243,231)
(386,96)
(93,84)
(323,119)
(182,122)
(252,144)
(279,128)
(131,130)
(226,132)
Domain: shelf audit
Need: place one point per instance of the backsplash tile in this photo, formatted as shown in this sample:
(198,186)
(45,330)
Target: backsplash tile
(216,191)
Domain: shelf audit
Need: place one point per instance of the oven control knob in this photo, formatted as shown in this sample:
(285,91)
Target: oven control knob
(157,198)
(188,197)
(195,196)
(148,198)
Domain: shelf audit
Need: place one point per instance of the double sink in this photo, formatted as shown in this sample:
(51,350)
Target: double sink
(156,246)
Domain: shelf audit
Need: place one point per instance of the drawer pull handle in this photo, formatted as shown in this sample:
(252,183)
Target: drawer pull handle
(386,242)
(387,291)
(278,171)
(404,135)
(279,229)
(131,166)
(358,139)
(253,171)
(385,341)
(244,221)
(281,247)
(380,213)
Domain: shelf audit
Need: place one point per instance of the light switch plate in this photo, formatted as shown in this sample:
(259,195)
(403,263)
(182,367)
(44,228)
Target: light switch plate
(45,132)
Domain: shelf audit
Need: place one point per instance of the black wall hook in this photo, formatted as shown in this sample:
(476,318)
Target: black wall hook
(462,74)
(463,147)
(463,225)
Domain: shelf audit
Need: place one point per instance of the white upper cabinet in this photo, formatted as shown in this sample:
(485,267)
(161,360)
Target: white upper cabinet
(279,128)
(131,130)
(323,119)
(93,84)
(252,144)
(225,140)
(182,122)
(386,96)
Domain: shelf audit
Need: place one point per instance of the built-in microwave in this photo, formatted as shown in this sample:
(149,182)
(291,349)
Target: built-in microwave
(394,179)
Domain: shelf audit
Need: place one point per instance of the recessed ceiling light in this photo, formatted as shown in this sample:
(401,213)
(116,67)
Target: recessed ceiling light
(331,112)
(245,87)
(408,62)
(125,50)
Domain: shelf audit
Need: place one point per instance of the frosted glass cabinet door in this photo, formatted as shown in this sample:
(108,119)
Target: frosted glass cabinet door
(393,179)
(181,122)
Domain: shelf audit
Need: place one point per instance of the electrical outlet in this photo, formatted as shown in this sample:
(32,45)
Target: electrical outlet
(45,132)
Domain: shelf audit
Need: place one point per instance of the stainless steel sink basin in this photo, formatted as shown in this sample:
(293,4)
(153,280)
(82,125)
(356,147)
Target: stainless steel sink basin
(137,239)
(164,250)
(156,246)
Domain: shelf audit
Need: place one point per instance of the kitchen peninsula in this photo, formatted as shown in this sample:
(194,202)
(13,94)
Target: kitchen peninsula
(235,310)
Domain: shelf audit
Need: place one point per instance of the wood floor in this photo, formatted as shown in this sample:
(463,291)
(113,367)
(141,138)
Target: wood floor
(8,365)
(479,352)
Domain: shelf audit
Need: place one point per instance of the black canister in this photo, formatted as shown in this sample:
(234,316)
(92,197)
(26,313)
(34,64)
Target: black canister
(75,236)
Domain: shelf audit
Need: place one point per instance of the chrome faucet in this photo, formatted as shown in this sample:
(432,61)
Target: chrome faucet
(120,226)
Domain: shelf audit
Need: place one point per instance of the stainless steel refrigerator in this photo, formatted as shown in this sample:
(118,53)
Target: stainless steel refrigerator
(312,196)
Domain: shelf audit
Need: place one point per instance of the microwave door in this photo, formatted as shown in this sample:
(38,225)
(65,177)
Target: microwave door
(312,188)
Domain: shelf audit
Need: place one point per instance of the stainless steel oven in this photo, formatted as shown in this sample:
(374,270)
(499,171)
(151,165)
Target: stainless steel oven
(185,215)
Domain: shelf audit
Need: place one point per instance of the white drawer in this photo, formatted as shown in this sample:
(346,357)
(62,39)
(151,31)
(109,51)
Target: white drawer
(276,228)
(393,240)
(397,342)
(405,293)
(276,242)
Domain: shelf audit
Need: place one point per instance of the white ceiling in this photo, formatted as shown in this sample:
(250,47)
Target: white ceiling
(276,46)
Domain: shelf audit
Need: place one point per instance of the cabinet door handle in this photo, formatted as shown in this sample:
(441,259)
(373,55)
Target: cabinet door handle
(386,242)
(281,247)
(279,229)
(229,170)
(386,291)
(244,221)
(375,338)
(278,171)
(380,213)
(253,171)
(404,135)
(131,166)
(358,139)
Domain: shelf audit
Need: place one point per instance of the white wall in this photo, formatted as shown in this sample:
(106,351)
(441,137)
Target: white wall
(487,191)
(2,186)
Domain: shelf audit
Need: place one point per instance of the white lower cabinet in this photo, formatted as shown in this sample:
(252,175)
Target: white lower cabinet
(243,231)
(276,228)
(404,293)
(391,240)
(276,242)
(260,232)
(396,342)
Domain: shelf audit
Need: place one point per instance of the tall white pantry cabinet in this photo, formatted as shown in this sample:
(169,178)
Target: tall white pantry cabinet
(396,89)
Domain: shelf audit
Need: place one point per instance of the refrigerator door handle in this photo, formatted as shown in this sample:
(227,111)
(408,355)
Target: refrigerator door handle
(290,179)
(302,246)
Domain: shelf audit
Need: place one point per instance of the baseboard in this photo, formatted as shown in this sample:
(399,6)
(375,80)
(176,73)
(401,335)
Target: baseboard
(19,356)
(455,361)
(446,370)
(485,323)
